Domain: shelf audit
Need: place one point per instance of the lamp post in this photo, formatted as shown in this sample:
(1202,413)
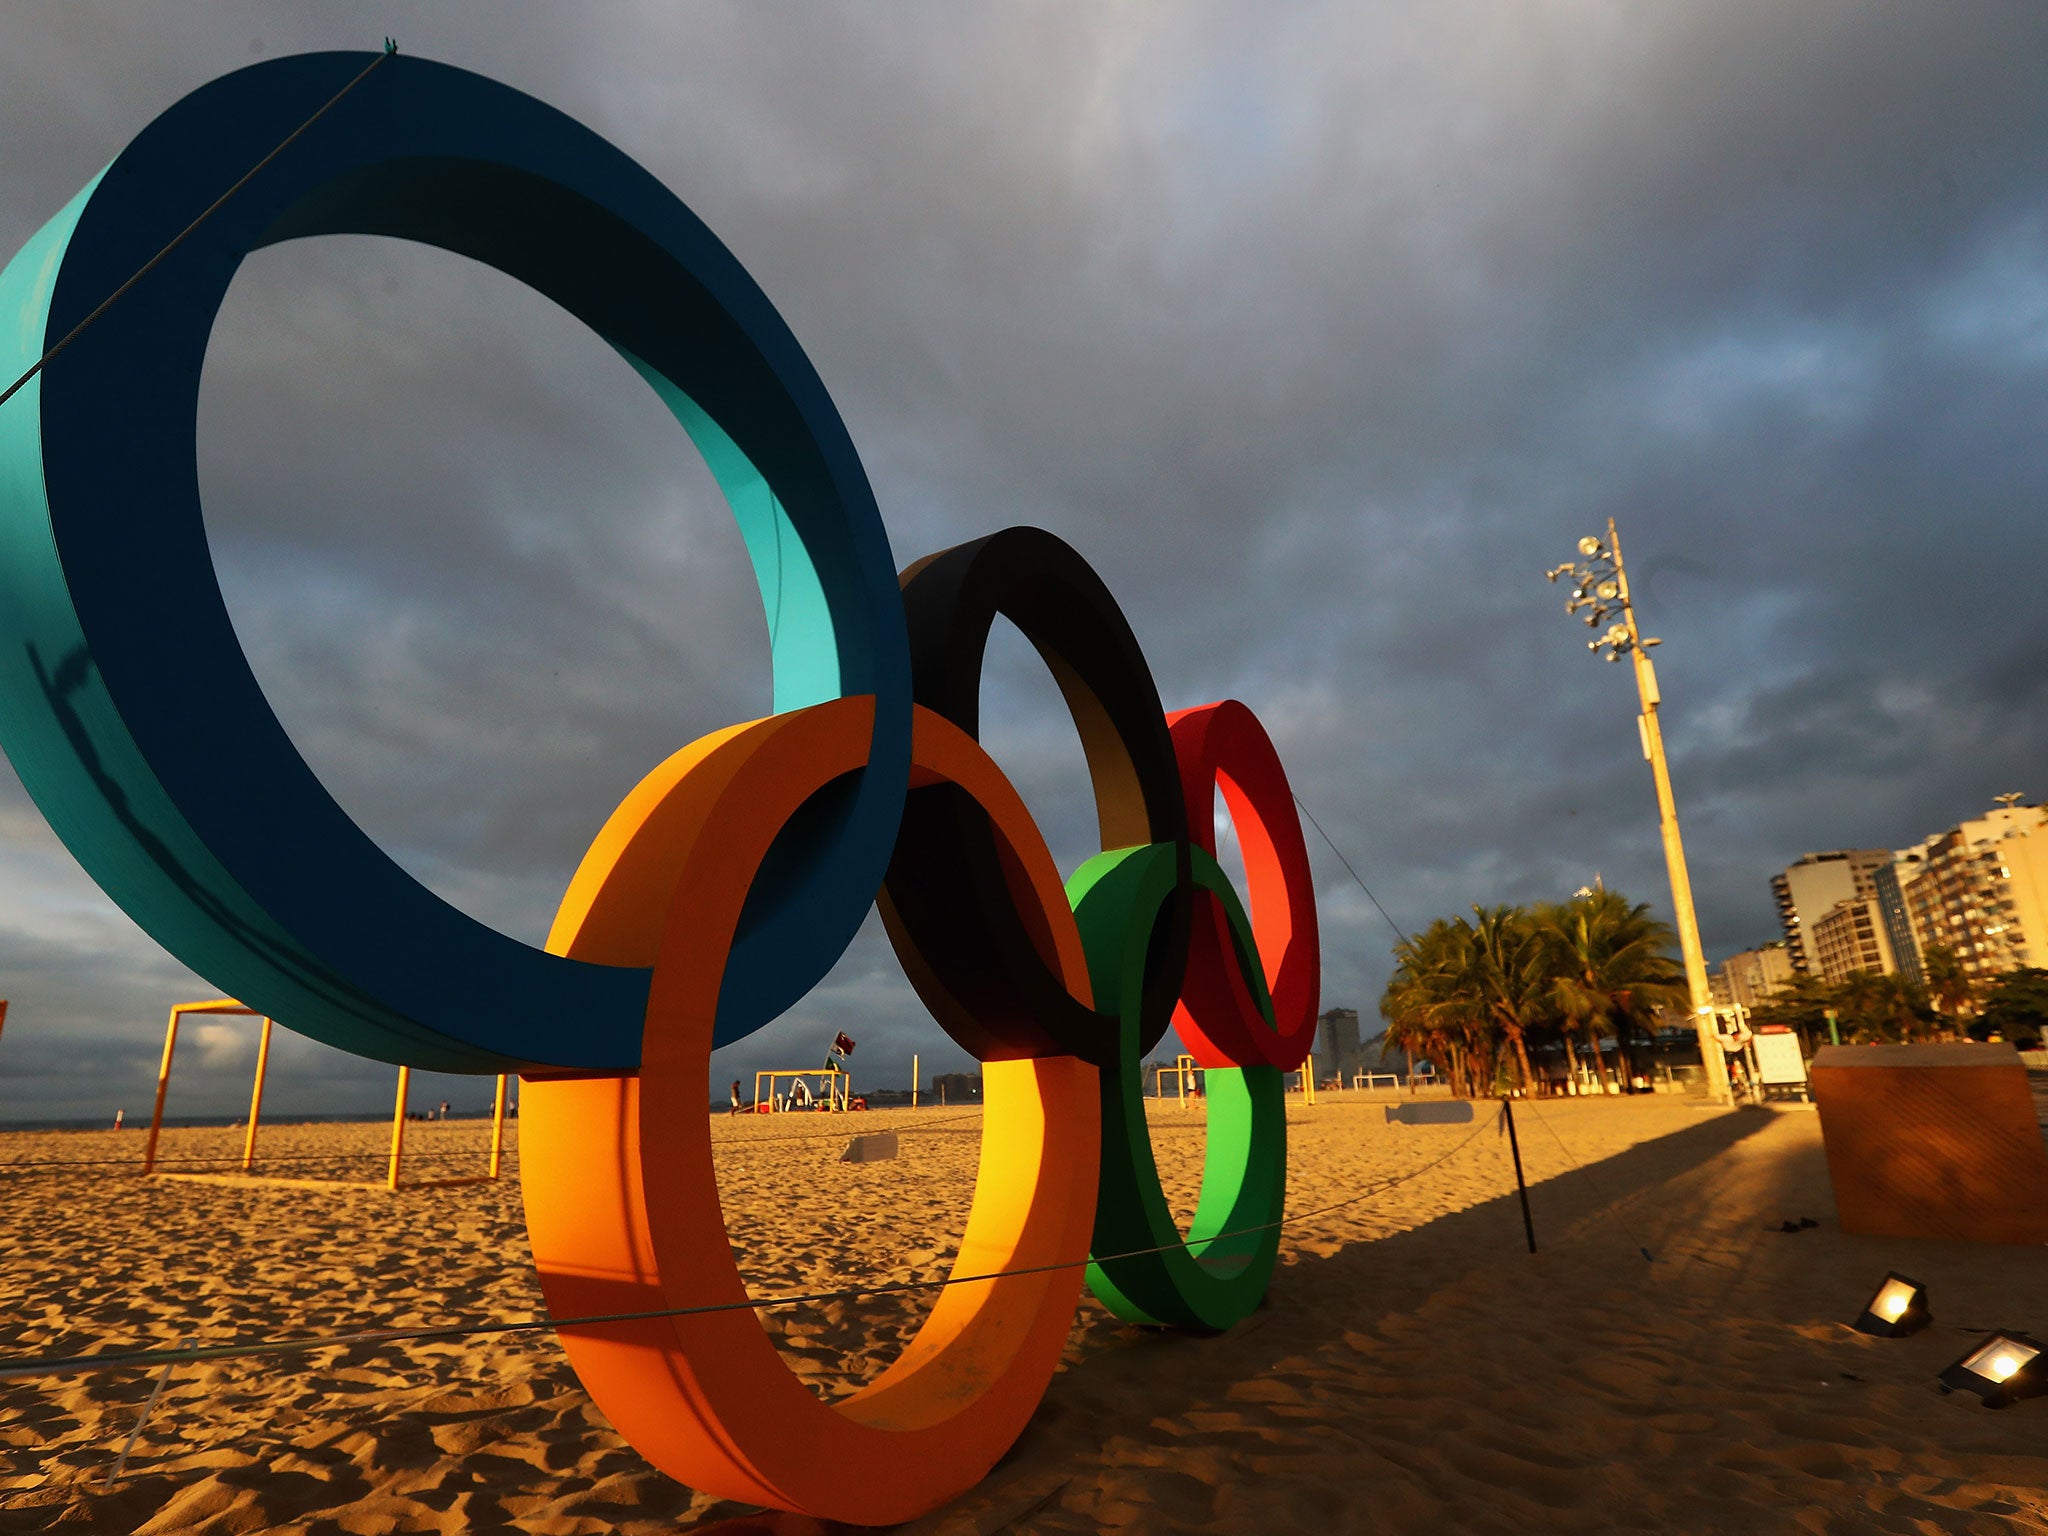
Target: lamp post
(1599,592)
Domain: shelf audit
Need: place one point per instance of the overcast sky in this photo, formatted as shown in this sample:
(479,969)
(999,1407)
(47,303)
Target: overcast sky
(1321,330)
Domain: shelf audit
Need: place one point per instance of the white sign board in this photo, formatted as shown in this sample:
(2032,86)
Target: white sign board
(1778,1059)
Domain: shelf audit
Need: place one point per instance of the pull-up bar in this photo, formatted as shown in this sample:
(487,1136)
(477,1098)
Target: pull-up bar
(227,1005)
(163,1075)
(1183,1071)
(838,1089)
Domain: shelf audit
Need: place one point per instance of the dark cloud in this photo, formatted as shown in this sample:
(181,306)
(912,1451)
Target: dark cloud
(1322,332)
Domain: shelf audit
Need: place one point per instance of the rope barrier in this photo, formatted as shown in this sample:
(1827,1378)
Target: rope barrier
(269,1160)
(236,1157)
(65,1365)
(1598,1193)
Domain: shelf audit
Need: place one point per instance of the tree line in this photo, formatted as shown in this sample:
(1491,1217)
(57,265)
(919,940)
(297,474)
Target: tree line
(1482,998)
(1477,997)
(1869,1009)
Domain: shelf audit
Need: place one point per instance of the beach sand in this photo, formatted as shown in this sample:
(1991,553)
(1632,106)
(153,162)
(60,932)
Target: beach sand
(1414,1368)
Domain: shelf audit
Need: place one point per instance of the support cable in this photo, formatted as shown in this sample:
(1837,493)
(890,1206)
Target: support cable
(1399,932)
(1599,1194)
(390,48)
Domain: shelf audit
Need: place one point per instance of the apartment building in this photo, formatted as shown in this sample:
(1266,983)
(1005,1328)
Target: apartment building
(1338,1049)
(1751,975)
(1811,888)
(1981,890)
(1852,937)
(1891,905)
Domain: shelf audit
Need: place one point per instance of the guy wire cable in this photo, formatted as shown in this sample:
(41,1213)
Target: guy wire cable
(1399,932)
(390,48)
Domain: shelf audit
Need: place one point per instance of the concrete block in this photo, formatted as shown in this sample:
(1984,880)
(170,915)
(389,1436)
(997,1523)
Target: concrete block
(872,1148)
(1432,1112)
(1933,1141)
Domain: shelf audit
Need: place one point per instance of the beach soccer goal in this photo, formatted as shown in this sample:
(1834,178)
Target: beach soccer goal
(393,1180)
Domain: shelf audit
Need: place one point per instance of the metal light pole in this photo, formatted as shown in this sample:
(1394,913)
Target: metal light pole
(1600,588)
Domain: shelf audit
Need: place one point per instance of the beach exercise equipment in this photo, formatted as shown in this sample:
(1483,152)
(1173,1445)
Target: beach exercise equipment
(218,1005)
(732,878)
(2005,1369)
(1898,1308)
(1182,1072)
(835,1092)
(1779,1063)
(393,1172)
(228,1006)
(1307,1073)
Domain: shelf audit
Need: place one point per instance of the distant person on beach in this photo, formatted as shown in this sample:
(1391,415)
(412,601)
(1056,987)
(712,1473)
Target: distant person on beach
(737,1107)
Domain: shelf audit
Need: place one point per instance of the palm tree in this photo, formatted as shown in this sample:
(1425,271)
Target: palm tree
(1466,991)
(1882,1008)
(1802,1004)
(1948,984)
(1611,968)
(1508,977)
(1427,1006)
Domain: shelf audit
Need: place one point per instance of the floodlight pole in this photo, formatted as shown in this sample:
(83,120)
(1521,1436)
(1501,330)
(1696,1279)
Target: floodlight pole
(1684,919)
(1683,916)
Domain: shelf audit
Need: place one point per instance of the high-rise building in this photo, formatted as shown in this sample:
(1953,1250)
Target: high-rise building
(1851,937)
(1752,975)
(1981,890)
(1338,1052)
(1808,890)
(1891,882)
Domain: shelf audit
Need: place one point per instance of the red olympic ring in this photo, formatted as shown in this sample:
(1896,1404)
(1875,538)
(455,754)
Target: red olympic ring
(1223,746)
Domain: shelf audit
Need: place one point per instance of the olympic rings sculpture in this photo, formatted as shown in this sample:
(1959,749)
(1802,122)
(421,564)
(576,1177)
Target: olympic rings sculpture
(731,879)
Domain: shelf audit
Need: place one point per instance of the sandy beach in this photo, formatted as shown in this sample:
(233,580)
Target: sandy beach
(1414,1368)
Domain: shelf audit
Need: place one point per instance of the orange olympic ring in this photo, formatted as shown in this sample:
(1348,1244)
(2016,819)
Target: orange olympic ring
(623,1208)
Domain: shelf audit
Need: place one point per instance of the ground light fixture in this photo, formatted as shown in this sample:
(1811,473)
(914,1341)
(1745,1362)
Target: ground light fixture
(1899,1308)
(2003,1369)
